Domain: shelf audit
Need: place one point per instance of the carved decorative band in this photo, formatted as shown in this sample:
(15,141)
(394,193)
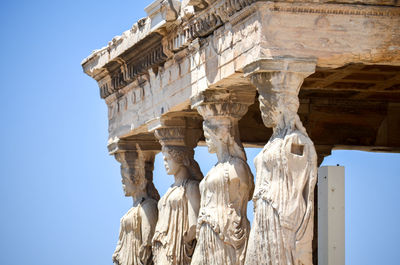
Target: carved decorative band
(337,9)
(105,90)
(171,136)
(154,57)
(229,109)
(206,22)
(129,71)
(178,136)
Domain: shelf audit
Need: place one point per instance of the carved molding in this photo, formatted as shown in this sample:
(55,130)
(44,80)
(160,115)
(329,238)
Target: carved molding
(134,63)
(178,136)
(336,9)
(209,96)
(141,142)
(204,23)
(304,66)
(231,110)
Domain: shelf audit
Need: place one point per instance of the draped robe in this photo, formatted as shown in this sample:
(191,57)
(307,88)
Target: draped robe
(223,228)
(171,244)
(282,229)
(136,231)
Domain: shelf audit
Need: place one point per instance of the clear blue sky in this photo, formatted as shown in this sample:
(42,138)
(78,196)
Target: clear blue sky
(60,193)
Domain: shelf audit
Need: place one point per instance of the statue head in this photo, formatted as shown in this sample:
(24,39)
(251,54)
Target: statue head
(221,122)
(218,132)
(137,174)
(223,131)
(133,174)
(172,164)
(278,99)
(177,157)
(177,147)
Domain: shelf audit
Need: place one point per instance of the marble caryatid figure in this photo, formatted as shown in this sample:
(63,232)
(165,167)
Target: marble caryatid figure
(223,227)
(282,229)
(137,225)
(175,234)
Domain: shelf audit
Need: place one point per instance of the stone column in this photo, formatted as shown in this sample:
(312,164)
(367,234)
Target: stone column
(175,234)
(282,230)
(138,224)
(223,227)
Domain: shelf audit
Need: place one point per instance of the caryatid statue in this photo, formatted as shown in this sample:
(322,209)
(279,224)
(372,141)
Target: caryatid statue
(137,225)
(282,229)
(223,227)
(175,234)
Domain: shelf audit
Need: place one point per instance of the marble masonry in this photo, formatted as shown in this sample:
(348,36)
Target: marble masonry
(297,78)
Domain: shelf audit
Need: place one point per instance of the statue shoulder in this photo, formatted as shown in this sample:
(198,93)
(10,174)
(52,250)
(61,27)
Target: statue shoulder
(192,184)
(240,169)
(149,206)
(297,143)
(192,187)
(298,138)
(239,165)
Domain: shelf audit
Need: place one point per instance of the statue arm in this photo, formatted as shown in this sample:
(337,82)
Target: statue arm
(302,165)
(149,216)
(242,178)
(193,197)
(118,248)
(309,189)
(240,185)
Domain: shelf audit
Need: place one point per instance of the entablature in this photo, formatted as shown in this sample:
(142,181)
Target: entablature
(183,49)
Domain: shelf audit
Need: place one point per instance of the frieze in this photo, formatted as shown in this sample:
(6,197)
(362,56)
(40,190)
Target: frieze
(205,23)
(336,10)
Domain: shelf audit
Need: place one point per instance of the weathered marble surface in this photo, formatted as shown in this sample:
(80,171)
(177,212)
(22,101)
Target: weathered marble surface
(195,51)
(186,56)
(137,225)
(282,230)
(223,227)
(175,234)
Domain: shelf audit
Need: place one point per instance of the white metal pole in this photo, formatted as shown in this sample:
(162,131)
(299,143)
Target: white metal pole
(331,215)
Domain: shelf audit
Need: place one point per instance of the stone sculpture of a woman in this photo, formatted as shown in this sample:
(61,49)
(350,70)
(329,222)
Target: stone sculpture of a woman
(137,225)
(286,168)
(223,227)
(175,234)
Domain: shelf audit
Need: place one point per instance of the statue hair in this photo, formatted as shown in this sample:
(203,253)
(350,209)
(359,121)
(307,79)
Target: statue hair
(235,148)
(289,105)
(150,188)
(185,156)
(230,137)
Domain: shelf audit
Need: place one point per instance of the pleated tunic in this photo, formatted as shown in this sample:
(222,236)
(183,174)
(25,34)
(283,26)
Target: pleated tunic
(283,202)
(170,245)
(133,247)
(223,227)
